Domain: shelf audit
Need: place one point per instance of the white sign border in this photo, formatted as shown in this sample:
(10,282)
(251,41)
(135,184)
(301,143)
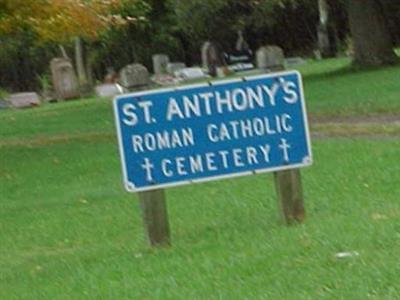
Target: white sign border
(130,187)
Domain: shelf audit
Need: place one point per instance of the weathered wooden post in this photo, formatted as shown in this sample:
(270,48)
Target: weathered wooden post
(287,182)
(155,217)
(290,195)
(153,204)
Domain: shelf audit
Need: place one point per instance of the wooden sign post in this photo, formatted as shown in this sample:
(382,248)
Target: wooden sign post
(289,190)
(290,195)
(155,217)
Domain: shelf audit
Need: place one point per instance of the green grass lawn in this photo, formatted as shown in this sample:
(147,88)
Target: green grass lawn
(68,230)
(332,87)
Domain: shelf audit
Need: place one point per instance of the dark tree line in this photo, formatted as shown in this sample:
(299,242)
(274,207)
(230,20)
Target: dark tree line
(178,28)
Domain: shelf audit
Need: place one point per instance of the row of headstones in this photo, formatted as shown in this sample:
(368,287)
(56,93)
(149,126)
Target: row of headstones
(136,76)
(268,58)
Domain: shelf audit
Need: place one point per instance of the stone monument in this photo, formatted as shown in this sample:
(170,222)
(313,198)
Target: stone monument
(211,57)
(108,90)
(160,62)
(134,76)
(173,67)
(65,83)
(270,58)
(24,100)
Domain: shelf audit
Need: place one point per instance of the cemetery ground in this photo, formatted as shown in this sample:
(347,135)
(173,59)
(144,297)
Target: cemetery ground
(68,230)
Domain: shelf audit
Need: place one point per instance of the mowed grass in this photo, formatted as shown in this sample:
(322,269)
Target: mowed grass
(333,87)
(68,230)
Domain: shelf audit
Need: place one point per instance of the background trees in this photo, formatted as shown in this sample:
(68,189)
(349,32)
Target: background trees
(45,24)
(117,32)
(372,40)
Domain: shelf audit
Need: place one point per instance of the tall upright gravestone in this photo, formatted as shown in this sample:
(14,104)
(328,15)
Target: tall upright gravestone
(160,62)
(64,79)
(211,57)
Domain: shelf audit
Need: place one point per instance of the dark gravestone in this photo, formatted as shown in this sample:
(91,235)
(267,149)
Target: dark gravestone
(64,79)
(241,59)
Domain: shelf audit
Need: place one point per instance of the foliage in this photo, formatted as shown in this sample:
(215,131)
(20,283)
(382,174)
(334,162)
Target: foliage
(59,20)
(31,29)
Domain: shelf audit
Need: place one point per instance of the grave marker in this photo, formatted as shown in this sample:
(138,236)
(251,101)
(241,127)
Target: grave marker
(190,74)
(174,67)
(108,90)
(160,62)
(134,76)
(270,58)
(24,100)
(64,79)
(211,57)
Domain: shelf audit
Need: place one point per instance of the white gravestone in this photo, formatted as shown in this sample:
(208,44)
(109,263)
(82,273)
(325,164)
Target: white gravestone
(108,90)
(24,100)
(191,74)
(174,67)
(160,62)
(64,79)
(211,57)
(270,58)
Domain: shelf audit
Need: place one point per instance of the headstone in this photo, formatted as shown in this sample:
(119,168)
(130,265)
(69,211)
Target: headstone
(64,79)
(239,67)
(291,61)
(165,79)
(108,90)
(24,100)
(238,57)
(211,57)
(191,74)
(174,67)
(270,58)
(160,62)
(134,76)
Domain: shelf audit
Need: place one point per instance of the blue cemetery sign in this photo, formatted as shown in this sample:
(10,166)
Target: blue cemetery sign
(220,129)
